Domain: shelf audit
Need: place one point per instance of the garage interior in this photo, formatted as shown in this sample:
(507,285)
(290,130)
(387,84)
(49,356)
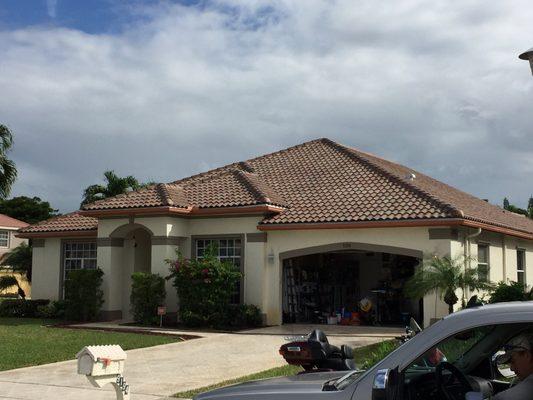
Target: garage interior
(337,285)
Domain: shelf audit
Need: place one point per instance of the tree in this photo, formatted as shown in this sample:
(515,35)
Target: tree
(115,185)
(27,209)
(8,170)
(445,275)
(8,281)
(18,260)
(517,210)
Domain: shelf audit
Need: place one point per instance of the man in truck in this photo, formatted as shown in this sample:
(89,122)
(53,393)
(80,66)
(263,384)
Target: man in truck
(519,355)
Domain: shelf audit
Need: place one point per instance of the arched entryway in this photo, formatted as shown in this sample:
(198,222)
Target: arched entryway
(326,280)
(136,257)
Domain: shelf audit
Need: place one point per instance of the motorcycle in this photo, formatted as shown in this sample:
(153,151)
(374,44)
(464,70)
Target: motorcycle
(314,353)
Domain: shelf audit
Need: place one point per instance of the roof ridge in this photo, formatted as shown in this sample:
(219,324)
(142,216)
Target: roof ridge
(164,194)
(228,167)
(361,156)
(248,184)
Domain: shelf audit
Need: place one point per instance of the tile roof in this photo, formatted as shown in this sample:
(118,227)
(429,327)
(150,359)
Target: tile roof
(317,182)
(62,223)
(9,222)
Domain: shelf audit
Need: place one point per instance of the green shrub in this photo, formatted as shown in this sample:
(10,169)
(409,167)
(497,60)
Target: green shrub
(147,293)
(243,316)
(54,310)
(513,291)
(83,295)
(21,308)
(205,287)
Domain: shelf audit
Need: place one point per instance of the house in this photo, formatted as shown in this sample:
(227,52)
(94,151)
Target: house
(314,228)
(8,241)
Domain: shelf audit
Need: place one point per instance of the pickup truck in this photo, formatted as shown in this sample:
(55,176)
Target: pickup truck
(469,340)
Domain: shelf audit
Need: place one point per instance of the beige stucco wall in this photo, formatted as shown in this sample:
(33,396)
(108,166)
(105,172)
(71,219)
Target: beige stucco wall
(262,279)
(281,241)
(46,270)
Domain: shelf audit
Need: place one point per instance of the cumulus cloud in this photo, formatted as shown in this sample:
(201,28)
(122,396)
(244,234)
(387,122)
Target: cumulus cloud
(51,8)
(437,87)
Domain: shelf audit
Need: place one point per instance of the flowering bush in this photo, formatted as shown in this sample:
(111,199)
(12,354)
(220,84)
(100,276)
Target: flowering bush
(205,287)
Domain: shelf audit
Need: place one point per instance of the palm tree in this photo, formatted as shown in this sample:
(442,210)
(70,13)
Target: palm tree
(18,260)
(115,186)
(8,281)
(8,171)
(445,275)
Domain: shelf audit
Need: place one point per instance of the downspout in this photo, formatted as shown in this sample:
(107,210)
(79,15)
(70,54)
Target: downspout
(504,259)
(467,252)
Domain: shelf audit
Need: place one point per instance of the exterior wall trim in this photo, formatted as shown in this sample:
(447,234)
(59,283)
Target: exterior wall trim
(109,242)
(259,237)
(443,233)
(350,245)
(168,240)
(38,243)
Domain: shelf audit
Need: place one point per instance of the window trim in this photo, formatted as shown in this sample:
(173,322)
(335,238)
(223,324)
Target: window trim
(8,239)
(524,266)
(240,236)
(61,291)
(487,263)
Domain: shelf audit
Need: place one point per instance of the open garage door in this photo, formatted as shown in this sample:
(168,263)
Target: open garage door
(351,286)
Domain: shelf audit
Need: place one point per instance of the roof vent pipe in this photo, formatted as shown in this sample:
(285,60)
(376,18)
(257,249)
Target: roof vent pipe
(410,177)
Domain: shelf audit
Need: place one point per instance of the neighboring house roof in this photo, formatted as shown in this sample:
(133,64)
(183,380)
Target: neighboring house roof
(318,182)
(9,222)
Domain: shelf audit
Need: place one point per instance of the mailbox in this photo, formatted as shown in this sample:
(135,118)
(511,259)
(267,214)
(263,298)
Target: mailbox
(102,365)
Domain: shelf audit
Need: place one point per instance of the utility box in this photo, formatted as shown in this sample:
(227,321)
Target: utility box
(101,360)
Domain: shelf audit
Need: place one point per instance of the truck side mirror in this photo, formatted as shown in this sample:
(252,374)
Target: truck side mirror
(385,384)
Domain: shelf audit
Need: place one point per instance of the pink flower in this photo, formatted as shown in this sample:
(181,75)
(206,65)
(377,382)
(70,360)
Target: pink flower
(205,271)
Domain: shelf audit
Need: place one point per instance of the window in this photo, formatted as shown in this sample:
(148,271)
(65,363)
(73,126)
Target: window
(520,266)
(80,255)
(4,239)
(483,262)
(229,249)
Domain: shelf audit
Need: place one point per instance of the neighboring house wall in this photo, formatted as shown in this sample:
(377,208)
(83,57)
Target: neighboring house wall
(12,243)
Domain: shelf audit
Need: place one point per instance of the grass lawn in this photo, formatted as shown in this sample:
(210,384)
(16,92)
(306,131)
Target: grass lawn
(364,357)
(27,341)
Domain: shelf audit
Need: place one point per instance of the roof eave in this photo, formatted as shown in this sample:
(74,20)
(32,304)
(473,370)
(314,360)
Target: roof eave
(189,211)
(395,223)
(50,234)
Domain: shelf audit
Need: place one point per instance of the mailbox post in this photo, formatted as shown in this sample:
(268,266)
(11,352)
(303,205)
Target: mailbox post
(102,365)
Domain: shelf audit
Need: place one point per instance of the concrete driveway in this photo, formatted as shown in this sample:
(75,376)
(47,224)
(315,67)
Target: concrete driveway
(160,371)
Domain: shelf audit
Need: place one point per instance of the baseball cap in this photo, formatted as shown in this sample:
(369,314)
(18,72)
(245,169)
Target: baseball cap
(522,342)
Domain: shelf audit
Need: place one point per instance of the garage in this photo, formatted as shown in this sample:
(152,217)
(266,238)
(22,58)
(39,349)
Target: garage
(349,287)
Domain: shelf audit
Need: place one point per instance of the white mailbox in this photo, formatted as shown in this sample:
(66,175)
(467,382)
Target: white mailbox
(102,365)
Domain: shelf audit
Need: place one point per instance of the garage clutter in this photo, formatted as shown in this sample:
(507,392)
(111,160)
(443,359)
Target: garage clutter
(348,288)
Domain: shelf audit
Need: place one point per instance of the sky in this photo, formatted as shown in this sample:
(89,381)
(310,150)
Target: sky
(162,90)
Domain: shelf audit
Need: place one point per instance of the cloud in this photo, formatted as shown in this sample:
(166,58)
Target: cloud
(51,8)
(437,87)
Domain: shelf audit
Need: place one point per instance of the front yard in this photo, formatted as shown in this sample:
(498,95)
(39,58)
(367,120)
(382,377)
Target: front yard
(27,342)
